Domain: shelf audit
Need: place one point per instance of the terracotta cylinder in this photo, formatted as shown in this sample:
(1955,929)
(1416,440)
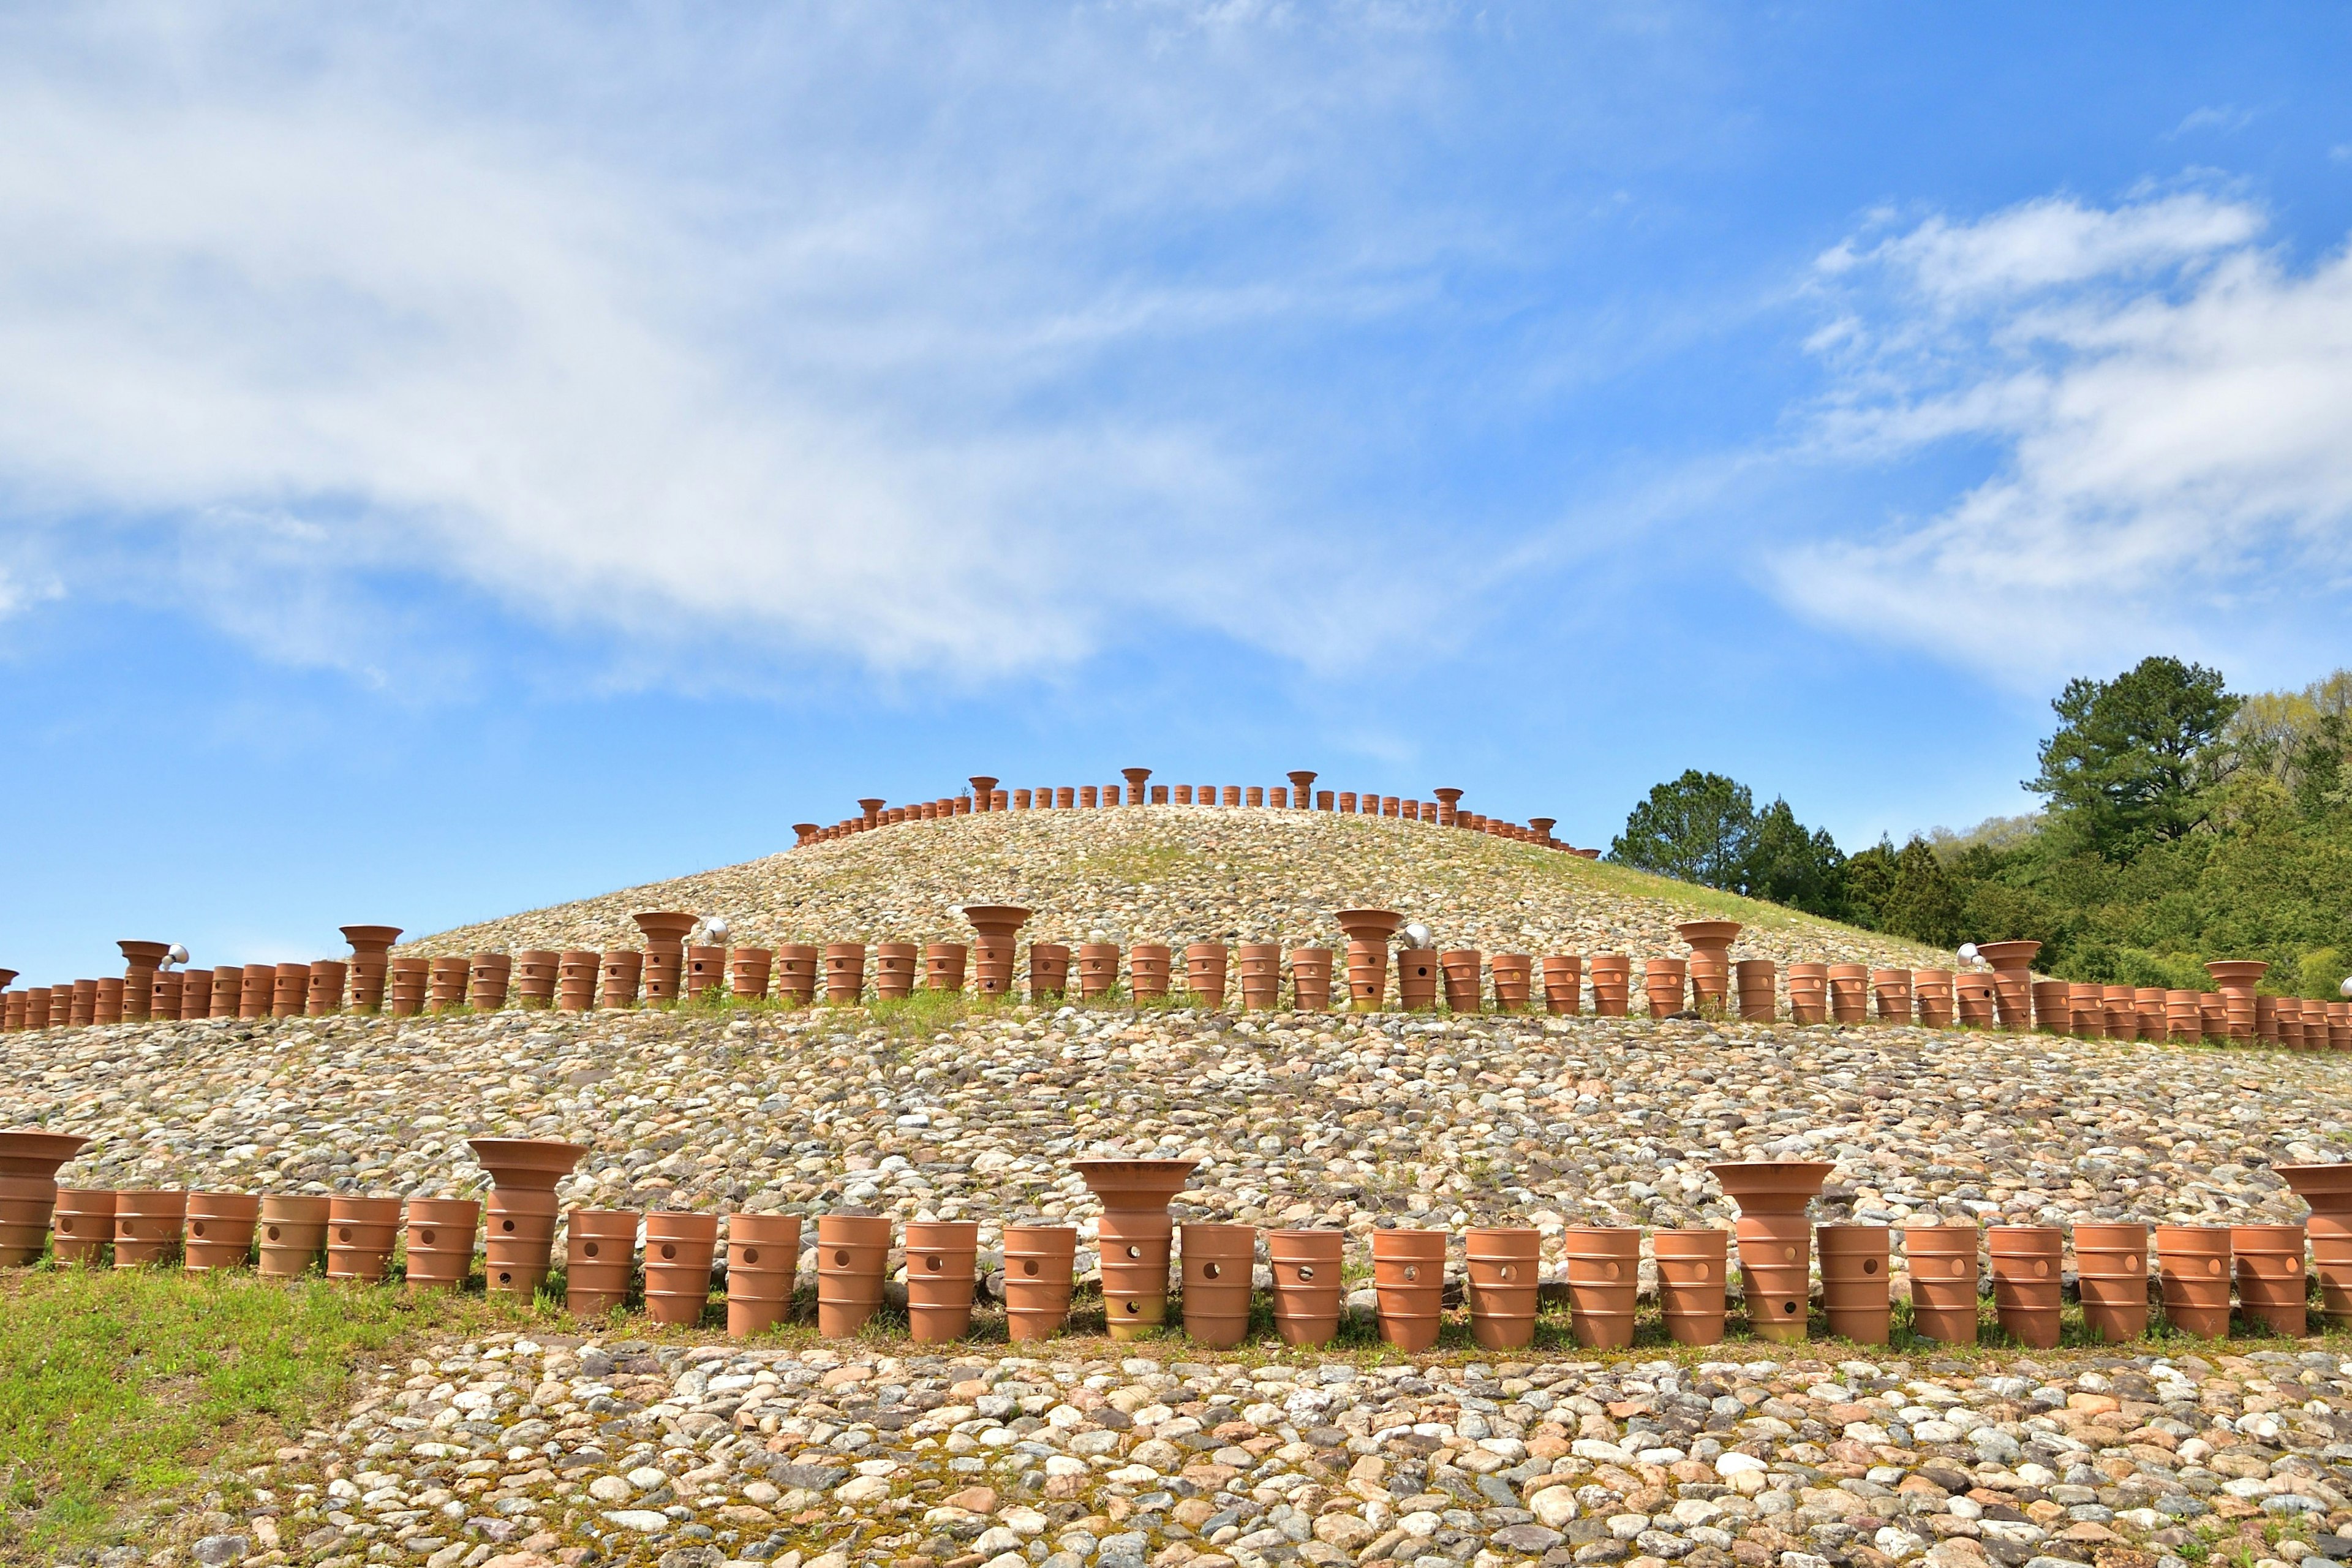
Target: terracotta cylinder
(289,990)
(1974,1003)
(1257,795)
(1849,992)
(2150,1002)
(1752,981)
(486,977)
(942,1257)
(1409,1278)
(1502,1280)
(148,1226)
(618,972)
(2194,1261)
(1612,985)
(518,1240)
(763,1256)
(1775,1261)
(2111,1264)
(1276,794)
(1604,1266)
(291,1232)
(1809,993)
(1514,976)
(1218,1261)
(1943,1264)
(2213,1015)
(1664,982)
(2027,1283)
(1563,983)
(1040,1263)
(361,1233)
(82,1225)
(261,985)
(1147,969)
(1049,971)
(1184,794)
(600,1248)
(196,994)
(845,973)
(893,970)
(1854,1271)
(2086,1014)
(229,992)
(1098,968)
(2012,999)
(1261,966)
(852,1251)
(1418,975)
(323,988)
(2052,1006)
(748,970)
(164,990)
(1134,1234)
(107,1008)
(1692,1267)
(84,1009)
(2120,1005)
(706,969)
(2180,1018)
(1348,802)
(661,974)
(2235,978)
(1368,975)
(1892,990)
(576,973)
(441,1242)
(2328,1190)
(1710,959)
(1308,1292)
(679,1249)
(220,1227)
(1310,979)
(1087,796)
(28,1009)
(2270,1279)
(29,1190)
(1205,965)
(407,983)
(533,974)
(998,800)
(1461,969)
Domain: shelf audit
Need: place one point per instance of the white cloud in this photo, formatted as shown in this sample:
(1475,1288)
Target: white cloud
(2170,409)
(2221,119)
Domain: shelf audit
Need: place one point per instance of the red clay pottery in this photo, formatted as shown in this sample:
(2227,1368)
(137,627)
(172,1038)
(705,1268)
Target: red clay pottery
(1849,992)
(2266,1019)
(2086,1012)
(1261,967)
(1205,964)
(81,1224)
(1943,1263)
(664,959)
(361,1233)
(446,984)
(2270,1275)
(18,1007)
(2194,1261)
(1809,993)
(370,964)
(852,1251)
(1087,796)
(679,1248)
(1409,1277)
(576,972)
(996,932)
(188,993)
(2052,1006)
(1098,968)
(1039,1260)
(1306,1284)
(29,1190)
(289,990)
(1854,1281)
(1184,794)
(872,810)
(1775,1242)
(531,977)
(2288,1010)
(893,970)
(1692,1267)
(141,959)
(2120,1008)
(943,966)
(2027,1280)
(228,990)
(1892,987)
(1065,798)
(2013,975)
(148,1224)
(941,1256)
(1135,777)
(1710,958)
(1302,785)
(1448,805)
(2181,1019)
(1563,983)
(600,1249)
(1348,802)
(1416,978)
(2148,1001)
(845,973)
(1279,794)
(219,1231)
(1461,968)
(324,994)
(107,1009)
(1612,985)
(2111,1263)
(1541,826)
(291,1232)
(520,1222)
(1257,795)
(486,977)
(706,969)
(1931,994)
(763,1257)
(748,970)
(1133,1236)
(1218,1261)
(441,1242)
(1752,981)
(1368,975)
(1514,976)
(2328,1190)
(1604,1267)
(1147,969)
(260,981)
(795,972)
(1049,971)
(1664,983)
(618,970)
(82,1004)
(1310,979)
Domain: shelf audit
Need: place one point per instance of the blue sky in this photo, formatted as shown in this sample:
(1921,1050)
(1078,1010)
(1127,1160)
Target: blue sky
(452,461)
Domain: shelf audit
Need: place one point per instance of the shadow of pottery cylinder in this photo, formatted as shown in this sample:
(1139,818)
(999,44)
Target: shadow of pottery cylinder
(679,1249)
(360,1236)
(220,1231)
(1040,1261)
(2271,1279)
(943,1257)
(441,1242)
(2111,1266)
(1604,1270)
(1692,1267)
(2194,1261)
(1854,1271)
(600,1260)
(148,1224)
(81,1224)
(1307,1293)
(1218,1261)
(1409,1280)
(763,1259)
(1134,1237)
(1501,1280)
(852,1254)
(290,1233)
(2028,1281)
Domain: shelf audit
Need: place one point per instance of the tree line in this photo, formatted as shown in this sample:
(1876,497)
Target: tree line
(2180,821)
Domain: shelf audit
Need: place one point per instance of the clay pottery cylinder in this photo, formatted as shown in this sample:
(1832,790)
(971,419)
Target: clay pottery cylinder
(1098,968)
(1943,1263)
(29,1008)
(229,992)
(289,990)
(2235,978)
(1049,971)
(943,965)
(1753,978)
(441,1242)
(1973,1003)
(1257,795)
(2181,1021)
(661,974)
(2052,1011)
(1368,975)
(1775,1261)
(196,994)
(1418,977)
(81,1224)
(1502,1281)
(1039,1265)
(486,977)
(2213,1015)
(1205,965)
(12,1012)
(1348,802)
(2111,1265)
(518,1240)
(1065,798)
(2150,1002)
(2086,1014)
(576,972)
(1308,1292)
(996,934)
(1849,992)
(2289,1013)
(2328,1190)
(1853,1281)
(323,989)
(291,1232)
(2194,1261)
(1147,969)
(1664,982)
(2120,1006)
(1133,1237)
(1514,976)
(1218,1262)
(852,1251)
(107,1005)
(370,963)
(845,973)
(407,983)
(1460,968)
(618,972)
(1692,1267)
(148,1224)
(706,969)
(1310,979)
(1710,959)
(360,1236)
(1612,985)
(2271,1281)
(893,970)
(748,970)
(260,984)
(29,1190)
(1605,1267)
(1087,797)
(600,1247)
(679,1246)
(141,960)
(164,992)
(533,974)
(220,1227)
(1409,1278)
(1892,988)
(2012,1000)
(1809,993)
(1261,967)
(2028,1262)
(942,1255)
(763,1257)
(1563,983)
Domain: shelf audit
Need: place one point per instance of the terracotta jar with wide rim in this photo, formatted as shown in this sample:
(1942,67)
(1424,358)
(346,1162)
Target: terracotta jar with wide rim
(894,964)
(1692,1267)
(1040,1265)
(533,973)
(1462,971)
(2271,1279)
(1261,976)
(1563,983)
(520,1224)
(149,1223)
(1049,971)
(1604,1270)
(664,968)
(1514,974)
(1892,990)
(1855,1272)
(2111,1265)
(2235,978)
(1612,985)
(2028,1267)
(763,1259)
(441,1242)
(1206,965)
(370,964)
(1809,993)
(361,1235)
(1710,959)
(2328,1190)
(1502,1281)
(1148,965)
(1409,1279)
(220,1229)
(141,959)
(680,1246)
(995,947)
(1218,1262)
(1098,968)
(749,971)
(1134,1236)
(2194,1261)
(1665,984)
(600,1260)
(29,1159)
(576,973)
(1849,992)
(942,1258)
(1942,1260)
(292,1232)
(1307,1288)
(853,1252)
(81,1224)
(1310,979)
(845,973)
(1775,1241)
(1753,979)
(1418,973)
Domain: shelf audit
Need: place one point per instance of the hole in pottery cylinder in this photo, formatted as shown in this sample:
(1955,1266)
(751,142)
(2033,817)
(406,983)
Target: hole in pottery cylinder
(1787,1308)
(2212,1266)
(425,1237)
(1698,1271)
(344,1234)
(1790,1253)
(273,1233)
(840,1259)
(1510,1271)
(1412,1272)
(751,1255)
(1870,1266)
(196,1228)
(589,1249)
(507,1225)
(2131,1265)
(1212,1270)
(669,1250)
(1132,1308)
(1958,1269)
(1306,1272)
(934,1263)
(1028,1266)
(2041,1268)
(505,1278)
(1134,1251)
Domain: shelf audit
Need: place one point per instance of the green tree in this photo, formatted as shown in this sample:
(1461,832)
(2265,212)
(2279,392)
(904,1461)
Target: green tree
(1922,902)
(1788,864)
(2131,762)
(1701,827)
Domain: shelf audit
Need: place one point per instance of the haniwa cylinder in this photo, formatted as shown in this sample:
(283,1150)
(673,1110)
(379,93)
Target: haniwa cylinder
(1942,1260)
(851,1254)
(360,1236)
(1409,1278)
(1854,1295)
(2111,1264)
(2272,1283)
(1306,1284)
(2028,1281)
(1775,1266)
(763,1257)
(220,1230)
(600,1247)
(1754,980)
(1692,1267)
(290,1233)
(148,1224)
(1040,1263)
(942,1257)
(679,1249)
(1604,1275)
(1563,983)
(82,1225)
(1218,1261)
(441,1242)
(2194,1261)
(1502,1283)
